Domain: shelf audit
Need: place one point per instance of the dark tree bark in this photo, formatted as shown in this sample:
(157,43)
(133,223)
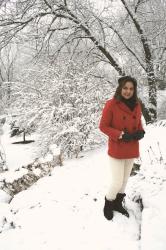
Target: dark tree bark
(152,82)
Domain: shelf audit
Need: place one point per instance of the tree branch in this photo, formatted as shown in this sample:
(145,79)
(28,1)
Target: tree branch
(148,56)
(68,15)
(126,46)
(137,5)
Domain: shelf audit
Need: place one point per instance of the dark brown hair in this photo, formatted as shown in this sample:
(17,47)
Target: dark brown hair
(122,81)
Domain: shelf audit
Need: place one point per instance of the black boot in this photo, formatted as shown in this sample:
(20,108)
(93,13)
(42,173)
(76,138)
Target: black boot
(118,204)
(108,209)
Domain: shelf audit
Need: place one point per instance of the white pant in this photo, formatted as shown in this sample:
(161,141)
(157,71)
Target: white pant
(120,170)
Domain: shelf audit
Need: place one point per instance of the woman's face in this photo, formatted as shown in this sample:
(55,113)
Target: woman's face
(127,90)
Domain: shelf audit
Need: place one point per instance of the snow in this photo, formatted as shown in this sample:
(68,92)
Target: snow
(155,144)
(71,215)
(17,156)
(4,197)
(54,149)
(12,175)
(64,210)
(49,157)
(154,223)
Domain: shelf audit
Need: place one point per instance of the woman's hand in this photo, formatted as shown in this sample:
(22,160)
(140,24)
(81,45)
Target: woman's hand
(138,135)
(127,137)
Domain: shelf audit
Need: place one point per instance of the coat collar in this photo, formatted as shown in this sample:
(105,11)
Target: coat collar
(124,107)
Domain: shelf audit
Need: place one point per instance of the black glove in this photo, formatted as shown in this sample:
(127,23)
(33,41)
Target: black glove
(127,137)
(138,135)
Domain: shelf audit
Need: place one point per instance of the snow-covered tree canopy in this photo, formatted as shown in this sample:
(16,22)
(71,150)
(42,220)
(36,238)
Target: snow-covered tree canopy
(128,35)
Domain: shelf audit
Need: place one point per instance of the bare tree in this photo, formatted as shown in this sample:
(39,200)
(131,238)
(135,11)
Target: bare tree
(7,62)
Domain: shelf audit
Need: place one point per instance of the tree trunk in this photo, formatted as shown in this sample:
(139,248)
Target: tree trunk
(152,99)
(152,83)
(23,135)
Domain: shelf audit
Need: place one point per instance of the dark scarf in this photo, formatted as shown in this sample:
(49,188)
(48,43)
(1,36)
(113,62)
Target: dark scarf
(130,103)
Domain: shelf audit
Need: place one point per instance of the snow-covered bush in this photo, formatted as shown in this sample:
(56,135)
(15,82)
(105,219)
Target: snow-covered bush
(62,104)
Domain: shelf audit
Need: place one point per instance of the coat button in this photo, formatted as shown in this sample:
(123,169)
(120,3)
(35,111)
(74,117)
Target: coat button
(134,117)
(124,117)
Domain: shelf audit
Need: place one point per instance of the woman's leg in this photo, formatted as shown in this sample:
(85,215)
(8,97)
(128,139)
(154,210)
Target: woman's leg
(116,169)
(127,171)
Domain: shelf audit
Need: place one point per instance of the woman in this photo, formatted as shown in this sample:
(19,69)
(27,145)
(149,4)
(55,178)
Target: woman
(121,122)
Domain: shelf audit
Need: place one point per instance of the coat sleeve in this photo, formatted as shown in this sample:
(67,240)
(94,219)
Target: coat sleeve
(106,122)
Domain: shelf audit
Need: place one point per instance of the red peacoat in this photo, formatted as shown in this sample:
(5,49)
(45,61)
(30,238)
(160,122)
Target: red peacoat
(117,117)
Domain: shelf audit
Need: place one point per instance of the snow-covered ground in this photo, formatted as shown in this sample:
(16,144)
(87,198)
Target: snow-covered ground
(64,210)
(16,155)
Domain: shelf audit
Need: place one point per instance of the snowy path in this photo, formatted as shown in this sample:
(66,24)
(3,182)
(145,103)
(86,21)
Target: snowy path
(64,211)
